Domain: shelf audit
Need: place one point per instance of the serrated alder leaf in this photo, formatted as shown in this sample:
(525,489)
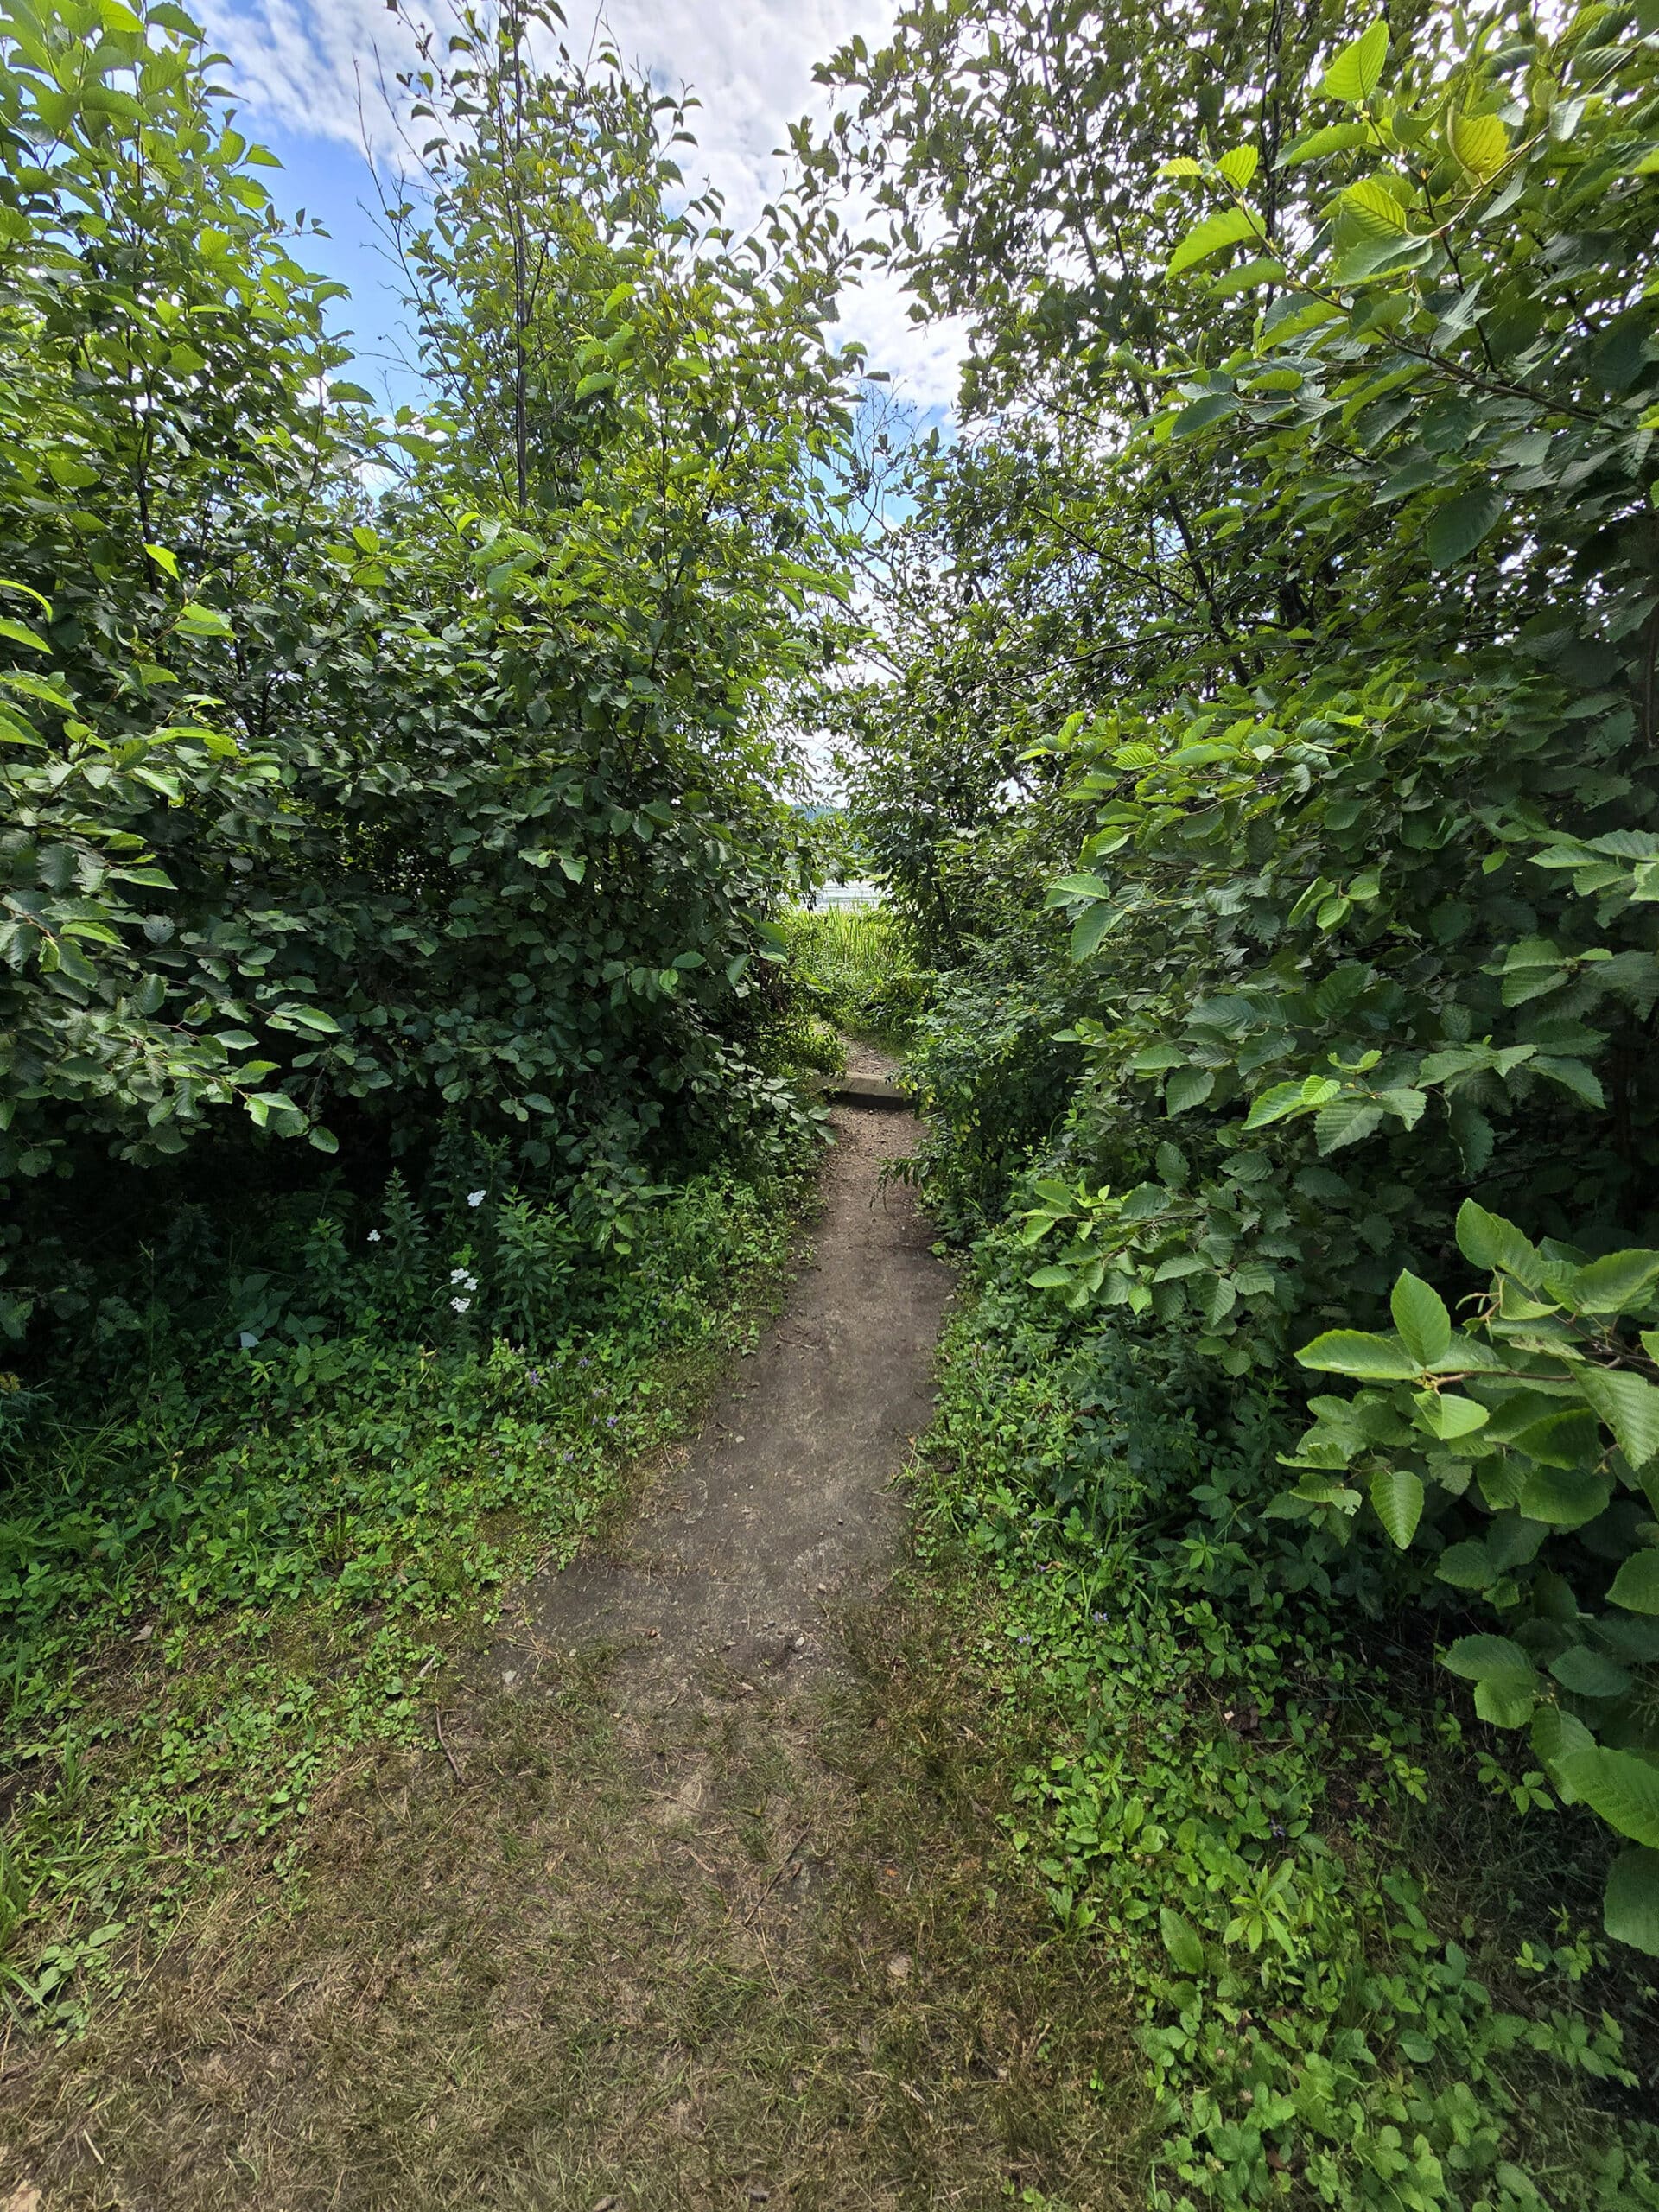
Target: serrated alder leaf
(1487,1240)
(1239,166)
(1628,1405)
(1636,1586)
(1563,1497)
(1181,166)
(1468,1565)
(1421,1316)
(1357,69)
(1345,1121)
(1332,138)
(1227,227)
(1616,1281)
(1457,525)
(1375,209)
(1397,1497)
(1088,930)
(1505,1704)
(1589,1674)
(1449,1416)
(1630,1907)
(1353,1351)
(1489,1658)
(1618,1785)
(1188,1087)
(1479,144)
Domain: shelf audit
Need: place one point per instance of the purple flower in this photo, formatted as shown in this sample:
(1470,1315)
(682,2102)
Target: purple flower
(1102,1616)
(534,1378)
(1277,1827)
(610,1423)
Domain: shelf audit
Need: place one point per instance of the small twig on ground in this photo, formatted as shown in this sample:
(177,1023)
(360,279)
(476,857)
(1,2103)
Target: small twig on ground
(437,1722)
(789,1860)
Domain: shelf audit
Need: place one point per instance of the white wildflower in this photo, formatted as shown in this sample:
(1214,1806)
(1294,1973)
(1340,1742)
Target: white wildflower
(374,1236)
(474,1197)
(460,1303)
(457,1274)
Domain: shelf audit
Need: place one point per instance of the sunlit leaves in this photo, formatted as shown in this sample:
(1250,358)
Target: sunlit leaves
(1357,70)
(1228,226)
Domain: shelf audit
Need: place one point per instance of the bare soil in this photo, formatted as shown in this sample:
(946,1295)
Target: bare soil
(701,1901)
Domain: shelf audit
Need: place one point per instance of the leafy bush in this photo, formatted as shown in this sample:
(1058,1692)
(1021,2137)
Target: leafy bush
(351,814)
(1365,1977)
(1520,1450)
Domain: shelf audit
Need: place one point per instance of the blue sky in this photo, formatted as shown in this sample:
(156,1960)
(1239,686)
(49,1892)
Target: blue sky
(306,71)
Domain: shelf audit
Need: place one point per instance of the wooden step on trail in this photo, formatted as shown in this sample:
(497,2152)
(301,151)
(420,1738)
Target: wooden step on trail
(864,1090)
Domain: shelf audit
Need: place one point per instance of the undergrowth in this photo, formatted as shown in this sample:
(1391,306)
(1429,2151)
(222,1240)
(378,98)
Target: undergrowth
(1366,1955)
(243,1525)
(855,969)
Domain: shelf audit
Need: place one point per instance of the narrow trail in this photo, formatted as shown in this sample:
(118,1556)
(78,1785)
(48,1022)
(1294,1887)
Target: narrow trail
(702,1905)
(783,1510)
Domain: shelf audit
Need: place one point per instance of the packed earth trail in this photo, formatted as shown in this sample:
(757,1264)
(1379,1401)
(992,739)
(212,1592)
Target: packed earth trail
(696,1899)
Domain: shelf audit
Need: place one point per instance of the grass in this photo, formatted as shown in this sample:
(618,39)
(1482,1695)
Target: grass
(197,1651)
(675,1961)
(859,969)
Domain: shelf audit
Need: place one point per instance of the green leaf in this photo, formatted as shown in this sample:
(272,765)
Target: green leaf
(1357,69)
(163,559)
(1479,144)
(1088,930)
(1353,1352)
(1239,166)
(1636,1586)
(1505,1704)
(1421,1316)
(1228,226)
(1466,1567)
(1617,1282)
(1333,138)
(1621,1786)
(1182,1942)
(1188,1087)
(1630,1907)
(1457,527)
(1487,1240)
(1588,1674)
(1628,1405)
(1563,1497)
(1448,1416)
(1375,209)
(1480,1658)
(1397,1496)
(1345,1121)
(198,621)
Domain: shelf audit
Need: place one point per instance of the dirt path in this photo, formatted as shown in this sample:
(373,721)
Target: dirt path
(784,1510)
(705,1905)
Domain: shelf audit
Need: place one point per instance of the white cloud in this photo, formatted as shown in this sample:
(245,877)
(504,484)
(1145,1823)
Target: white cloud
(314,67)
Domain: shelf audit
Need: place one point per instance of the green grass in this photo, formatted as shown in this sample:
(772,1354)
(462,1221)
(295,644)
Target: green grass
(246,1566)
(858,968)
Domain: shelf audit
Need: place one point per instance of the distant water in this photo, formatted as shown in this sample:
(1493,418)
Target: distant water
(847,894)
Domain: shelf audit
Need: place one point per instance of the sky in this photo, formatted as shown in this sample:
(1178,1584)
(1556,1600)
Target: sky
(307,73)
